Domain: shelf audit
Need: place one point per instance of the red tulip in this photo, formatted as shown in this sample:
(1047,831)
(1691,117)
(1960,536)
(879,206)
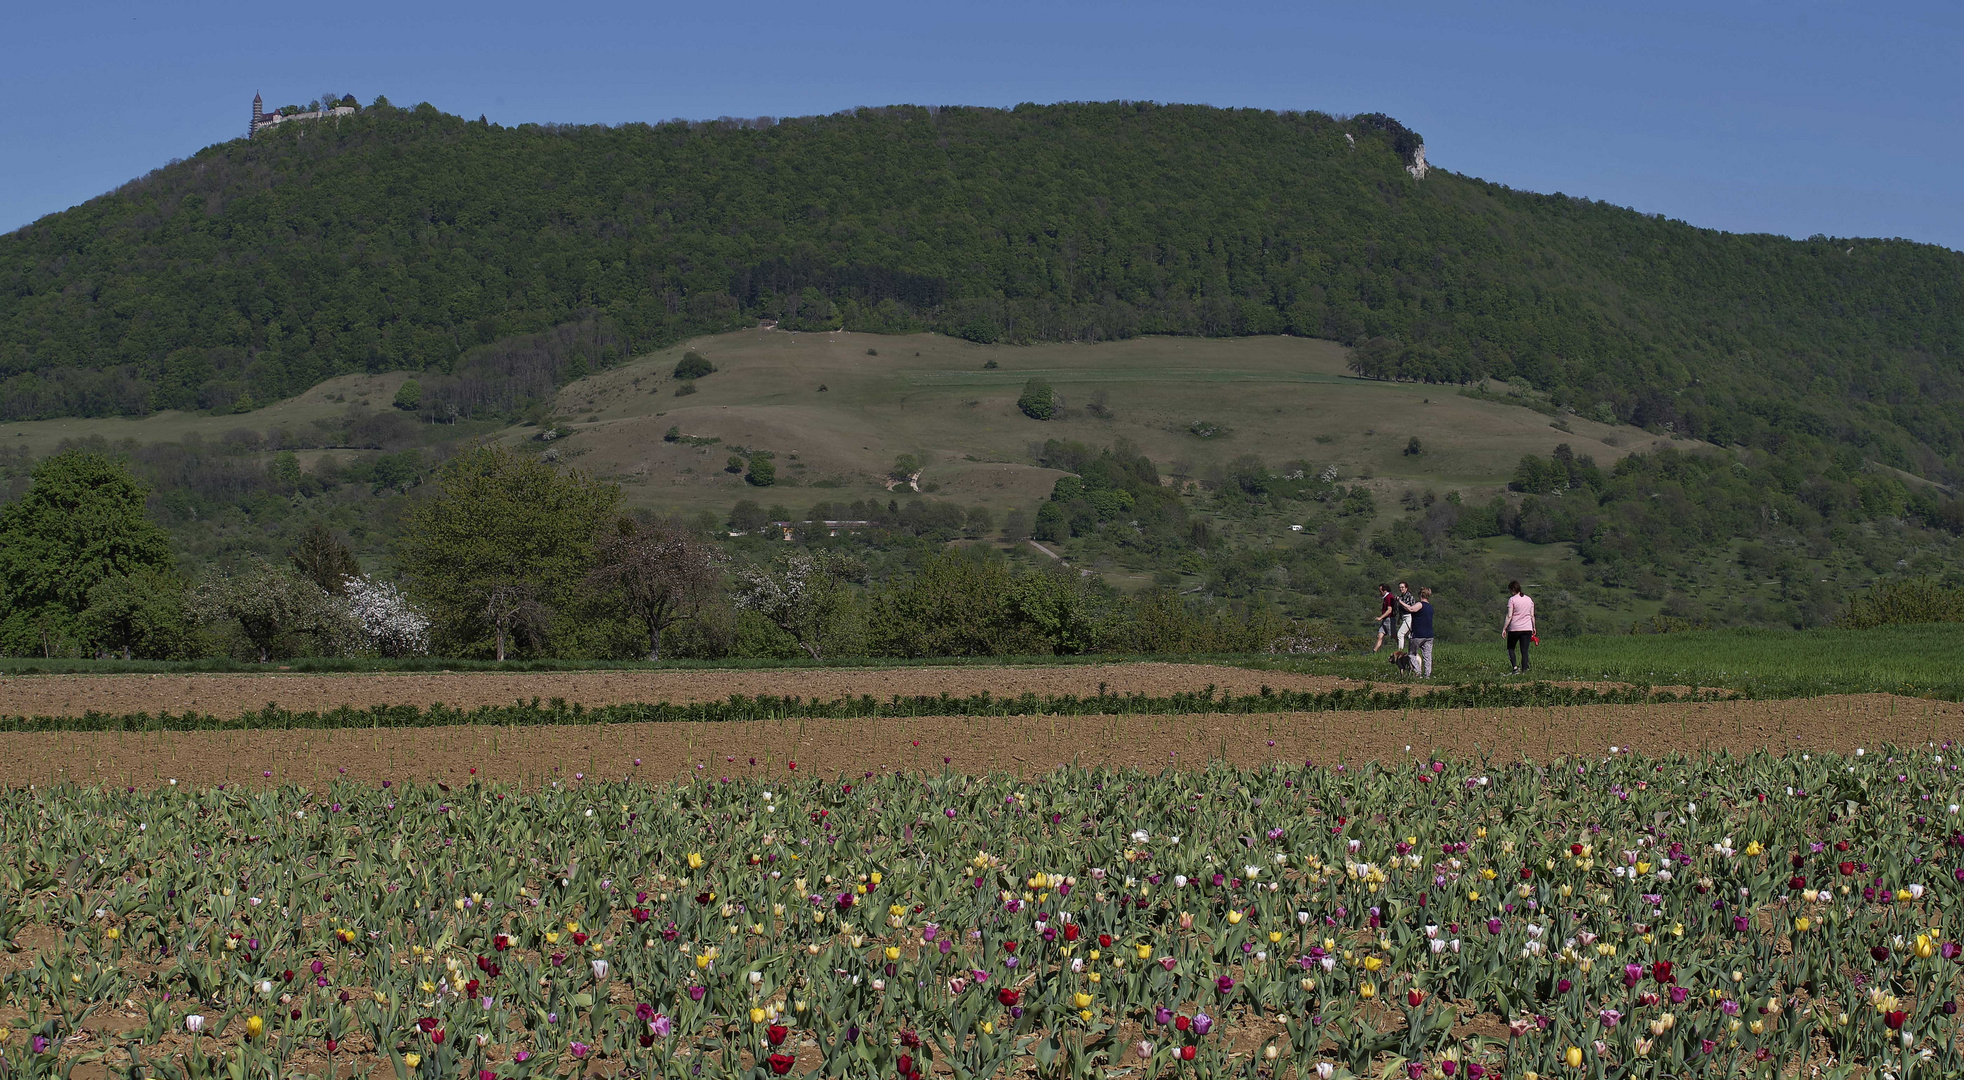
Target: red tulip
(1186,1053)
(1415,998)
(1896,1020)
(777,1033)
(1183,1022)
(781,1063)
(1104,941)
(1071,932)
(904,1065)
(1661,971)
(1007,996)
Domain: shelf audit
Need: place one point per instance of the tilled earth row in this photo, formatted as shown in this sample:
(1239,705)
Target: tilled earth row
(662,751)
(232,694)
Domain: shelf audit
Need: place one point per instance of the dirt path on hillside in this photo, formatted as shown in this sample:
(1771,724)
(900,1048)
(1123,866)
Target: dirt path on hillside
(971,744)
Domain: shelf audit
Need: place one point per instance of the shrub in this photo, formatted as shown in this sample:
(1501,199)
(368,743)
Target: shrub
(1038,402)
(409,396)
(762,473)
(693,365)
(685,389)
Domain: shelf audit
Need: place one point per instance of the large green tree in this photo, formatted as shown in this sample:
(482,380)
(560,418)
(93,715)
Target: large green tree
(498,556)
(80,523)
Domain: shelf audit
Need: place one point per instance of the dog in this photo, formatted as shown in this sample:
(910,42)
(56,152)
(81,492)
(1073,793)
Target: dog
(1402,660)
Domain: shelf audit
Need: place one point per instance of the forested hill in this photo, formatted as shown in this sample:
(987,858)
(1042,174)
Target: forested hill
(409,238)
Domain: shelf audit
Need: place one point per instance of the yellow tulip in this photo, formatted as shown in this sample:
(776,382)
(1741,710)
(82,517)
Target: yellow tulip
(1085,1015)
(1081,1000)
(695,860)
(572,927)
(988,1027)
(1234,918)
(412,1060)
(1274,937)
(756,1016)
(1145,952)
(893,952)
(552,937)
(1573,1057)
(1924,949)
(1754,848)
(254,1026)
(1801,924)
(1373,963)
(1367,991)
(876,877)
(1097,978)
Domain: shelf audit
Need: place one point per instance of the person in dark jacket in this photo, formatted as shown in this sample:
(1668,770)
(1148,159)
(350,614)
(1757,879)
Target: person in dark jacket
(1419,646)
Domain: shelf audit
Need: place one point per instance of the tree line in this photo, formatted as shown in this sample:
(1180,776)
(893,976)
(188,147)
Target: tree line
(512,557)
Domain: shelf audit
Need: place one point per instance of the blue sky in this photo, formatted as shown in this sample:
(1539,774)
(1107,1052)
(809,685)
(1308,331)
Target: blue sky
(1798,117)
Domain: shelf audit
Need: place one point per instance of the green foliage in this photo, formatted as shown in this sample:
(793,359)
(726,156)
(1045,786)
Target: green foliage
(139,614)
(501,550)
(81,522)
(272,606)
(1038,401)
(763,473)
(804,595)
(409,396)
(285,470)
(1413,448)
(693,365)
(1913,601)
(747,515)
(323,559)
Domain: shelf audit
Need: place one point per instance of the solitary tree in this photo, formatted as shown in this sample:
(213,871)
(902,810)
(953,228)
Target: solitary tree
(80,522)
(805,595)
(409,396)
(503,546)
(656,573)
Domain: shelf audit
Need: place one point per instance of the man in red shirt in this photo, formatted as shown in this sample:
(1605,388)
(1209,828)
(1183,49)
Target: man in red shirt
(1387,619)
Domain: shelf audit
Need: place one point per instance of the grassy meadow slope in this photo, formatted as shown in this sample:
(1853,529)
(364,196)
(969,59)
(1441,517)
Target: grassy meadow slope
(1282,399)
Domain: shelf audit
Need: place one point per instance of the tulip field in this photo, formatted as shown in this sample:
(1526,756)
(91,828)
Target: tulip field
(1599,915)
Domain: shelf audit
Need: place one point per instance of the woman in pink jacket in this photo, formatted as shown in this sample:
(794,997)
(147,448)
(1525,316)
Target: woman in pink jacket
(1518,625)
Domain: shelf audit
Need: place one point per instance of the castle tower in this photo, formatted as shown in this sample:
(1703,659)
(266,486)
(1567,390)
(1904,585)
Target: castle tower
(258,108)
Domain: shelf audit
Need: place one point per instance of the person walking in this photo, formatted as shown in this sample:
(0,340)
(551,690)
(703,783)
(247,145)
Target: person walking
(1518,626)
(1404,616)
(1387,619)
(1419,645)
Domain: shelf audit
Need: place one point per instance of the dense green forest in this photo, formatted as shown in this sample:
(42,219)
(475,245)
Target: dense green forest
(505,261)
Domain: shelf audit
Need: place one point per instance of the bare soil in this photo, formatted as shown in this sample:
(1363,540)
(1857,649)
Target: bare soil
(661,751)
(233,694)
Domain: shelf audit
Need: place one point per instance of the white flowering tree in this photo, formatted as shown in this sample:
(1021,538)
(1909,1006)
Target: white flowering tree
(805,595)
(383,619)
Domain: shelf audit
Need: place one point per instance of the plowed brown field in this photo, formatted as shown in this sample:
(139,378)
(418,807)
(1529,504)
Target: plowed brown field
(231,695)
(971,744)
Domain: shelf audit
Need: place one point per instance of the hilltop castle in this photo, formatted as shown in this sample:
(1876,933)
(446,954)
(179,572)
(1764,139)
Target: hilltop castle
(261,119)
